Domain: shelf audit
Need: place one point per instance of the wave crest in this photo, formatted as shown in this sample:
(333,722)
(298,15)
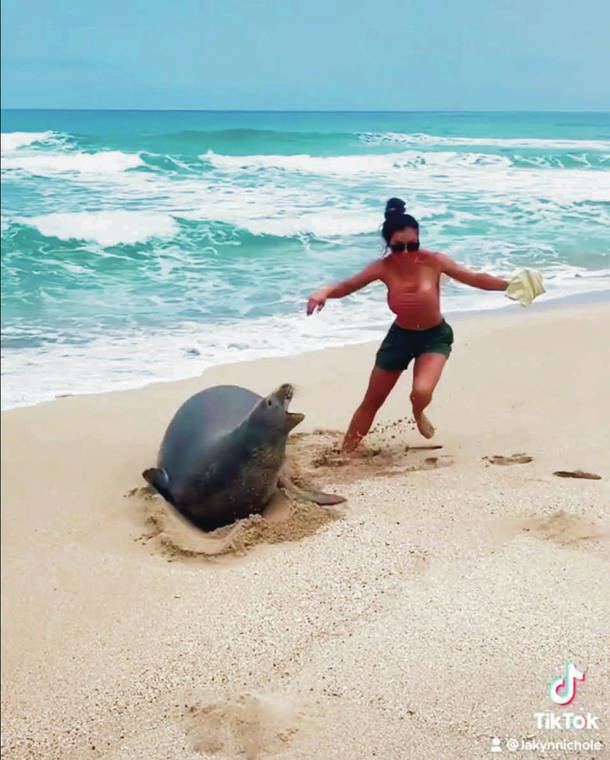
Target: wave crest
(52,163)
(352,164)
(11,141)
(107,228)
(423,139)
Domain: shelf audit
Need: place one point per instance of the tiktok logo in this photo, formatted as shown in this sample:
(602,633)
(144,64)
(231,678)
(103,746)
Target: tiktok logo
(562,689)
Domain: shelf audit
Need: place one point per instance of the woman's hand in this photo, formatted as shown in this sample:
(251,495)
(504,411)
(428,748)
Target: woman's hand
(316,300)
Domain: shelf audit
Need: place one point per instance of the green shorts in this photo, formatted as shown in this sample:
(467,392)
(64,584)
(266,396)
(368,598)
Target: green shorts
(400,346)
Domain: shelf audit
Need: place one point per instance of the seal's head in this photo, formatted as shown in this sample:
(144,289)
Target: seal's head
(272,410)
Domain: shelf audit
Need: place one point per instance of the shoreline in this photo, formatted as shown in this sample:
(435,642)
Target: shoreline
(575,300)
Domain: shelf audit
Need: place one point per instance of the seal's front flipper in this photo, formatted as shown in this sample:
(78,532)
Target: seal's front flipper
(159,480)
(318,497)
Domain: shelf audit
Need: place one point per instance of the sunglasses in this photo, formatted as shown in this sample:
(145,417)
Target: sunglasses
(402,247)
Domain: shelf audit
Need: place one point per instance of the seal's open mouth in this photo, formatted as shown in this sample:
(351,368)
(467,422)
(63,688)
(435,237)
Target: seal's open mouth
(287,392)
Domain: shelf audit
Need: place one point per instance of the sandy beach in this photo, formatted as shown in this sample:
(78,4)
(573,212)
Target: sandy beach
(420,619)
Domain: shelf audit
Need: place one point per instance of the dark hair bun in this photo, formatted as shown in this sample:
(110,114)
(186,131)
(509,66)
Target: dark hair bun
(396,219)
(394,207)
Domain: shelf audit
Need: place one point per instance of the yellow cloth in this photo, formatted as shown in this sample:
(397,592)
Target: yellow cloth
(525,286)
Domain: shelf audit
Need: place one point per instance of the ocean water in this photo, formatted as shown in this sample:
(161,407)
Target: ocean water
(139,246)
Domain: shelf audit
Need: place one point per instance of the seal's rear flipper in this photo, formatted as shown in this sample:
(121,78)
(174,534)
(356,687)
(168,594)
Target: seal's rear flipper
(159,480)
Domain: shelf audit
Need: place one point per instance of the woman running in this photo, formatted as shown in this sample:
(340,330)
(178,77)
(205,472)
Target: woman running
(412,277)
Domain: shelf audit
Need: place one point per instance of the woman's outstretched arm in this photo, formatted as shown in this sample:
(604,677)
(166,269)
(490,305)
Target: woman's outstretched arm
(369,274)
(476,279)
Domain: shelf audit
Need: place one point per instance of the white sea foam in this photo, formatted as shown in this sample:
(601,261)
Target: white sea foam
(337,200)
(323,196)
(20,153)
(441,174)
(139,356)
(354,165)
(104,227)
(321,223)
(77,163)
(422,139)
(339,206)
(12,141)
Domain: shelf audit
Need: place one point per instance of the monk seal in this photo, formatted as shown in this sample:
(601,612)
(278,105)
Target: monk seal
(223,453)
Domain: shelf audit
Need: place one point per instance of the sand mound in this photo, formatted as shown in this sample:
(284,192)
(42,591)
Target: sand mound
(284,519)
(247,725)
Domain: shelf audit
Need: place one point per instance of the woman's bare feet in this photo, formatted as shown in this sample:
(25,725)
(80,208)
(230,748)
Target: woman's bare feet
(425,427)
(351,443)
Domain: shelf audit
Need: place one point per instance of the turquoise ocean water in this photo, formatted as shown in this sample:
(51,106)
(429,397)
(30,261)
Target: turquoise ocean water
(139,246)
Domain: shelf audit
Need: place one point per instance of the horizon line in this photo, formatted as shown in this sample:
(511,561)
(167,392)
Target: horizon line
(309,110)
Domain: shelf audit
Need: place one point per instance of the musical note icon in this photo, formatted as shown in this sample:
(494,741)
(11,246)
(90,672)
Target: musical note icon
(562,689)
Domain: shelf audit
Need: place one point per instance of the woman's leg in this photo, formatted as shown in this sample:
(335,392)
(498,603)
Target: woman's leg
(426,374)
(380,384)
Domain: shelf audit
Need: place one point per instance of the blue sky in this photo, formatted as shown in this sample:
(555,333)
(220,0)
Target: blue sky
(307,54)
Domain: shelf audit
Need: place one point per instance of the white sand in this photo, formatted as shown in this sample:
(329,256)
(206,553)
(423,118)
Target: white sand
(426,618)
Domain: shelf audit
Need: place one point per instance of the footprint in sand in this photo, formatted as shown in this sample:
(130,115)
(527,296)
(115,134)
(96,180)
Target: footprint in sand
(332,458)
(513,459)
(322,450)
(247,725)
(432,463)
(146,492)
(335,457)
(563,528)
(429,463)
(577,474)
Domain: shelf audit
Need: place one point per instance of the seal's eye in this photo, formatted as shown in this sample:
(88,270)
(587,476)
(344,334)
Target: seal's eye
(269,402)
